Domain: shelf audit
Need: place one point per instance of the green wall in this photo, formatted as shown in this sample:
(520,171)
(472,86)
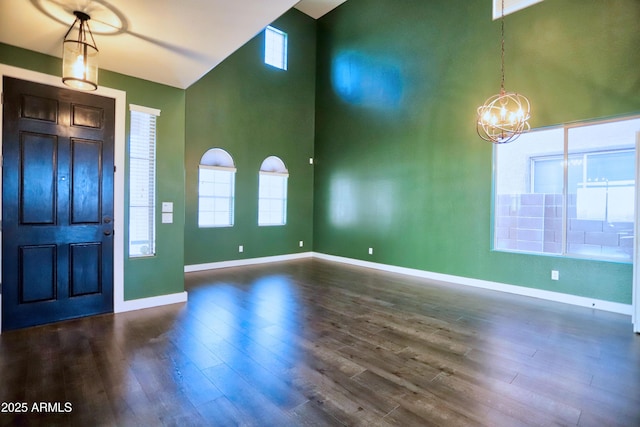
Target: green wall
(399,165)
(162,274)
(252,111)
(386,106)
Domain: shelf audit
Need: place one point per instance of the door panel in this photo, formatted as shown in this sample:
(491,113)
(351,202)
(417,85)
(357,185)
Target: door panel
(87,116)
(37,281)
(37,178)
(38,108)
(85,269)
(86,165)
(57,198)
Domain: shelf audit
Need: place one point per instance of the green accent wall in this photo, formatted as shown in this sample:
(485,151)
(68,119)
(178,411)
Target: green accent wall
(163,273)
(399,165)
(253,111)
(382,94)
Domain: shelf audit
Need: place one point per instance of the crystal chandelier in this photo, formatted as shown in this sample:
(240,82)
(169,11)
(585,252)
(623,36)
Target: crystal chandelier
(503,117)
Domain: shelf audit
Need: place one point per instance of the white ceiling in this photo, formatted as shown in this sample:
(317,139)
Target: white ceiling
(317,8)
(173,42)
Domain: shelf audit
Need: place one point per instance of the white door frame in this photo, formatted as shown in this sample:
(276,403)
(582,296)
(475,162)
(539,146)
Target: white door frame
(120,98)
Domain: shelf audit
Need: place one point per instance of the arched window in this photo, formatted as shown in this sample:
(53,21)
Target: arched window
(272,193)
(216,189)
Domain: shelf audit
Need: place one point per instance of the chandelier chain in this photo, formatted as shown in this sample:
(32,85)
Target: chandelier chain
(502,47)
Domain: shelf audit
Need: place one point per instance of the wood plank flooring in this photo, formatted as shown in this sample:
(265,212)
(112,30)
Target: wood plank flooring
(315,343)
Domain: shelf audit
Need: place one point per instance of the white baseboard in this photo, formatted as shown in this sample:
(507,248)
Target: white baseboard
(242,262)
(615,307)
(139,304)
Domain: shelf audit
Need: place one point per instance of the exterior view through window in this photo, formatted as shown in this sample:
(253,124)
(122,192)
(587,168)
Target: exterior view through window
(568,191)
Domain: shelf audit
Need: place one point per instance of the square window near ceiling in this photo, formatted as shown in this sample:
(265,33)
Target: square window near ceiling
(510,6)
(275,48)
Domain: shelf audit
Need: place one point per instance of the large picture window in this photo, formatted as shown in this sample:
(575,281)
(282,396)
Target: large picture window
(568,191)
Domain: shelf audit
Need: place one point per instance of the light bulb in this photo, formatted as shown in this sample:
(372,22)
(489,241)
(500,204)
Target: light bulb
(78,67)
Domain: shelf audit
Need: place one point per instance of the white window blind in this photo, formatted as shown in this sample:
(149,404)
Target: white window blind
(272,192)
(142,181)
(275,48)
(273,199)
(216,196)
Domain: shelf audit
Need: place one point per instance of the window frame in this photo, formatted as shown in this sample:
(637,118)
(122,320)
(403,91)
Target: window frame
(151,195)
(217,159)
(230,199)
(273,166)
(630,146)
(276,48)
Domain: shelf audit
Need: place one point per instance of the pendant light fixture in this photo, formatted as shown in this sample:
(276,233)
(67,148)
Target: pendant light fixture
(503,117)
(80,55)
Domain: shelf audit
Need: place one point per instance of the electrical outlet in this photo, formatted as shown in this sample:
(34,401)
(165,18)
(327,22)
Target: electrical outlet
(240,248)
(555,275)
(301,244)
(370,251)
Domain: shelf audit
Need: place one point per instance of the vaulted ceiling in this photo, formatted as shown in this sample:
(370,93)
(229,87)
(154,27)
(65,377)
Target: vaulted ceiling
(173,42)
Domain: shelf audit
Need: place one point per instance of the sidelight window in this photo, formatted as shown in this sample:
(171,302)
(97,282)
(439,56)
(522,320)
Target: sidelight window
(142,181)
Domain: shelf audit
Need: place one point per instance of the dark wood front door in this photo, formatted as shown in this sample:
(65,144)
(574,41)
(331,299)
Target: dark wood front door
(57,204)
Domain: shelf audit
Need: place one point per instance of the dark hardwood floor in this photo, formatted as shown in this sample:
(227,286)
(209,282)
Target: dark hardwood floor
(314,343)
